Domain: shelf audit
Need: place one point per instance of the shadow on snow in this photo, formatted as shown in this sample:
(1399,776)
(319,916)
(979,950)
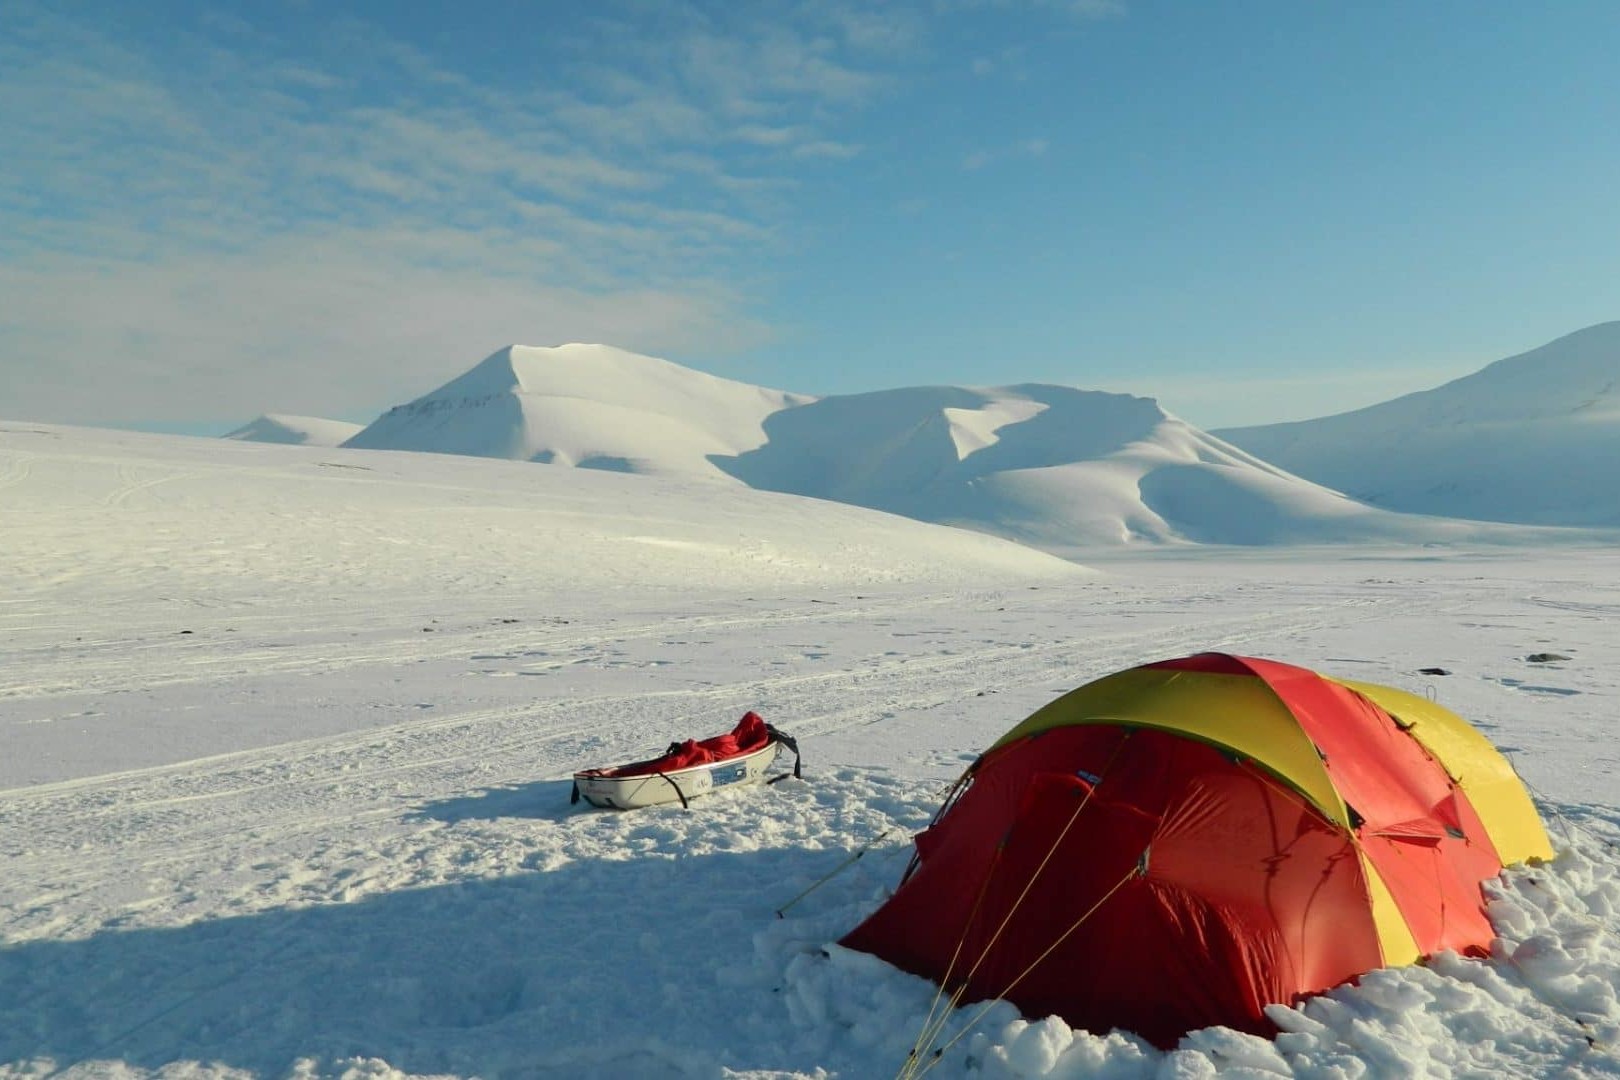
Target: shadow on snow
(544,800)
(643,966)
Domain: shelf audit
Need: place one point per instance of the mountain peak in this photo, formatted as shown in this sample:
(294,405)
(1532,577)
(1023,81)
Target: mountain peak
(589,405)
(1530,438)
(295,430)
(1055,467)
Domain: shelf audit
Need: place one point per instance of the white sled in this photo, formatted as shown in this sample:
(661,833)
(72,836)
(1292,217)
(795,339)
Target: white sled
(671,779)
(680,785)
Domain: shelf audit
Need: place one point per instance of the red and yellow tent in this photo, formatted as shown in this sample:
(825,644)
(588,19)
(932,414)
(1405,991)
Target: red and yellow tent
(1183,843)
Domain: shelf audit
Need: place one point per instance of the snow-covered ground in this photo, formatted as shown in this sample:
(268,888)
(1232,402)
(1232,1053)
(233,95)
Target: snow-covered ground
(287,735)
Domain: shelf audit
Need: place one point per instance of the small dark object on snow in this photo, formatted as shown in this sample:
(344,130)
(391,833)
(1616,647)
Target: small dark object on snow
(1545,657)
(1433,671)
(185,631)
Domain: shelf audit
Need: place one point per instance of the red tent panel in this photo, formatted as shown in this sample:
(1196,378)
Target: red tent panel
(1246,896)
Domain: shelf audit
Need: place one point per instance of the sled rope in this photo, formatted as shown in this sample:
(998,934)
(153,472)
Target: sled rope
(1137,870)
(932,1027)
(778,735)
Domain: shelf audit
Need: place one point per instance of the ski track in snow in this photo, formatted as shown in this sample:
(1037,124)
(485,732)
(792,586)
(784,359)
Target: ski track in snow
(545,740)
(296,818)
(448,836)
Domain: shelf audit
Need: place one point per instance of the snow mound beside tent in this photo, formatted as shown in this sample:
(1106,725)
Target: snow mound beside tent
(1544,1003)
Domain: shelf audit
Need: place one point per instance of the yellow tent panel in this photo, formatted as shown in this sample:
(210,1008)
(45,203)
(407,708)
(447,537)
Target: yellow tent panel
(1233,711)
(1485,776)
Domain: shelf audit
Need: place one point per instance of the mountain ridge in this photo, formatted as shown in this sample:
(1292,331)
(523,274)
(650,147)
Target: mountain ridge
(584,405)
(1532,438)
(1055,467)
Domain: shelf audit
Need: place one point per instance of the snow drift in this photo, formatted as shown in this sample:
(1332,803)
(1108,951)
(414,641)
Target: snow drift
(296,430)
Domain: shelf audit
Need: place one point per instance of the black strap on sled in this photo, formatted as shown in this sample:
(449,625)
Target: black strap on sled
(678,792)
(792,744)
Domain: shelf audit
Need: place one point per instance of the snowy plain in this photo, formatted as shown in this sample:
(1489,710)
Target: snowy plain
(286,735)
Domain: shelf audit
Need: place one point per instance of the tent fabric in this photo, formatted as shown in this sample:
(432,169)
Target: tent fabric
(1241,714)
(1183,843)
(1489,780)
(750,734)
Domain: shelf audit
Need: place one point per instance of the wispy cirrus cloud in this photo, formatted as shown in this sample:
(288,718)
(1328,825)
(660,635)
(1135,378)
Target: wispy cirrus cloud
(1082,9)
(317,205)
(1024,148)
(306,220)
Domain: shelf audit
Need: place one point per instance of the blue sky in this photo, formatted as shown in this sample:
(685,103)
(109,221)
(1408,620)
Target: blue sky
(1251,211)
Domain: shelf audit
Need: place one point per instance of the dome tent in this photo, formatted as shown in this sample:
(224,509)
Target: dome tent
(1180,844)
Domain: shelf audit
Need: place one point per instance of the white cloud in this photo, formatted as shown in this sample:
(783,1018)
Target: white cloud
(323,327)
(1082,9)
(1026,148)
(263,230)
(250,213)
(826,149)
(1093,9)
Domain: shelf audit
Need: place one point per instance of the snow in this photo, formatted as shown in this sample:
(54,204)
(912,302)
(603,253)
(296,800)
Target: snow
(1053,467)
(593,406)
(288,734)
(297,430)
(1532,438)
(974,429)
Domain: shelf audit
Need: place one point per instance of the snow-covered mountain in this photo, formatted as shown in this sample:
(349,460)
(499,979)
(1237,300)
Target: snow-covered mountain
(296,430)
(1055,467)
(1532,438)
(590,406)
